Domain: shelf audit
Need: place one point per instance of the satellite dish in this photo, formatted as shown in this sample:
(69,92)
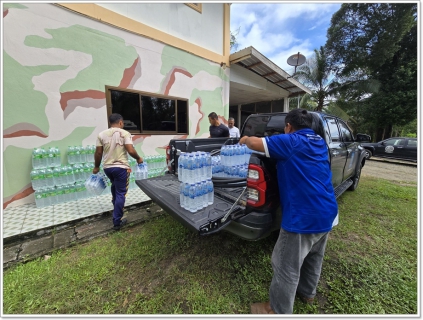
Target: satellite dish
(296,60)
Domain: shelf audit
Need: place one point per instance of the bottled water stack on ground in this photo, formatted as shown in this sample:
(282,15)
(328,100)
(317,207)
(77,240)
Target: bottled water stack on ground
(55,183)
(196,188)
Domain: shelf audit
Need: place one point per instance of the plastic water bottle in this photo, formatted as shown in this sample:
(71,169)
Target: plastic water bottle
(208,166)
(44,158)
(35,159)
(59,194)
(82,153)
(139,172)
(40,198)
(50,154)
(71,155)
(210,193)
(35,180)
(181,168)
(57,157)
(41,176)
(198,196)
(191,199)
(49,178)
(205,192)
(181,195)
(190,169)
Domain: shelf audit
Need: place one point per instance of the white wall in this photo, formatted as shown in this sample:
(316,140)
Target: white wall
(203,29)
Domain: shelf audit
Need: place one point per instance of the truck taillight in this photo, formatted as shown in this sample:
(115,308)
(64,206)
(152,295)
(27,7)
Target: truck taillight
(256,186)
(168,158)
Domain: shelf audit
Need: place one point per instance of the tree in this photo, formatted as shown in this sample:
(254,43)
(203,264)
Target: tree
(316,74)
(233,40)
(379,42)
(365,35)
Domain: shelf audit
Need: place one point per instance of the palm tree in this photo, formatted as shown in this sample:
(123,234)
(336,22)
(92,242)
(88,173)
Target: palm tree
(317,74)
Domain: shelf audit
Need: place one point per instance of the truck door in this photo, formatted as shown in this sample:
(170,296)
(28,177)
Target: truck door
(338,152)
(410,151)
(351,147)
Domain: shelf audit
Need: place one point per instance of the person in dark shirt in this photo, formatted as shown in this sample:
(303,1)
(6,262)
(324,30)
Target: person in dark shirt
(217,129)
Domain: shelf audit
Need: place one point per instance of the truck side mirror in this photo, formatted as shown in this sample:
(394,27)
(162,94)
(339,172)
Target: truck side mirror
(361,137)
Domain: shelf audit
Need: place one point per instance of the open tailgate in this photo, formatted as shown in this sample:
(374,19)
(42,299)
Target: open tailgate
(164,191)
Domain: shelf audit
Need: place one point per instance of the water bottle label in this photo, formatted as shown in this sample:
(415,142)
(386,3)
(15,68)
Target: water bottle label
(35,178)
(60,192)
(39,196)
(51,155)
(67,191)
(48,176)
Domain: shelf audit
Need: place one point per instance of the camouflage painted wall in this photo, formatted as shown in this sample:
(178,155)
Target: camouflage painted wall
(56,65)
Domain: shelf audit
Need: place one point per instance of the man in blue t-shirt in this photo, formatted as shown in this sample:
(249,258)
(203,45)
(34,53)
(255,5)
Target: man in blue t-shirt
(217,129)
(308,206)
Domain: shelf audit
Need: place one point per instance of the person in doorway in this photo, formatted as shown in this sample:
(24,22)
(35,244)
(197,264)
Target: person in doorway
(233,131)
(113,146)
(217,129)
(309,209)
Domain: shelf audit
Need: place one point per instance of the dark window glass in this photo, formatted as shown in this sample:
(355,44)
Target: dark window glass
(346,133)
(263,107)
(412,143)
(277,105)
(152,114)
(158,114)
(276,125)
(333,129)
(394,142)
(128,106)
(256,126)
(182,116)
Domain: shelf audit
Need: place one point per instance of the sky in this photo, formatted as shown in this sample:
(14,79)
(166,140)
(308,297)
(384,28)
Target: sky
(279,30)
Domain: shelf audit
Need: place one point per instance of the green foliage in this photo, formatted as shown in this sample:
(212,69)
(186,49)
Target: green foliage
(316,74)
(374,46)
(233,40)
(160,267)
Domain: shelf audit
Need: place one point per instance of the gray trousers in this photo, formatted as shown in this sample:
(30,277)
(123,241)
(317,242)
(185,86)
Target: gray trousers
(297,262)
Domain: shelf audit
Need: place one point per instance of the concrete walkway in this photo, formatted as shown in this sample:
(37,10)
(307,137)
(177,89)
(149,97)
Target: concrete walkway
(25,247)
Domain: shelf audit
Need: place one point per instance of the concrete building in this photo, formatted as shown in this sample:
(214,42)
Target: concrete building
(163,66)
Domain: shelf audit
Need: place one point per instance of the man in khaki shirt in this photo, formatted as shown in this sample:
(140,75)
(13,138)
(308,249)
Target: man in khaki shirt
(113,146)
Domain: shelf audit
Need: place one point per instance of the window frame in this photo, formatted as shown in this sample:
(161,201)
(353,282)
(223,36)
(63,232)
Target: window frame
(196,6)
(109,108)
(343,126)
(327,119)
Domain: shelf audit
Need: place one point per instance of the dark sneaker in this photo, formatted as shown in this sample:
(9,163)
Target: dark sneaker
(122,223)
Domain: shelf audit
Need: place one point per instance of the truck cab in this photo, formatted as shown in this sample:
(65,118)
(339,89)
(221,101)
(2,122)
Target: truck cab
(250,207)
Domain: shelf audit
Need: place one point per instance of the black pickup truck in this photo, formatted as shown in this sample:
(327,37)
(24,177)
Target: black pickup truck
(250,207)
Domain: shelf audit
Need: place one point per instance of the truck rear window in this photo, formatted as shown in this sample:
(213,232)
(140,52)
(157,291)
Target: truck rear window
(262,126)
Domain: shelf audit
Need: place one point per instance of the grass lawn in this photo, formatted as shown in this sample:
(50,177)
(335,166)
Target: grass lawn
(159,267)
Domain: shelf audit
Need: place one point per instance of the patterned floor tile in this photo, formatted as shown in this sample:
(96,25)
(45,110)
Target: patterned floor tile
(74,217)
(45,223)
(11,232)
(29,227)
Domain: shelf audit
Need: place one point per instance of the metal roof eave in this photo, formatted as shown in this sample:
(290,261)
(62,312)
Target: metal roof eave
(253,60)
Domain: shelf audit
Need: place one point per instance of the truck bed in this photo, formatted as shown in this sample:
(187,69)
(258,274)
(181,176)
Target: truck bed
(164,190)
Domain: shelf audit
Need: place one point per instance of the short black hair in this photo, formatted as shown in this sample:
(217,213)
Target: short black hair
(299,119)
(115,118)
(213,115)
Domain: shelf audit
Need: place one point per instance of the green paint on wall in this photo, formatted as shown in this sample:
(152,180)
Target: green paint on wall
(110,55)
(17,162)
(211,101)
(172,57)
(21,103)
(13,5)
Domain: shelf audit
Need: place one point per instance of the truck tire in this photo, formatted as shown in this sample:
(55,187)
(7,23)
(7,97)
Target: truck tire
(368,154)
(356,179)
